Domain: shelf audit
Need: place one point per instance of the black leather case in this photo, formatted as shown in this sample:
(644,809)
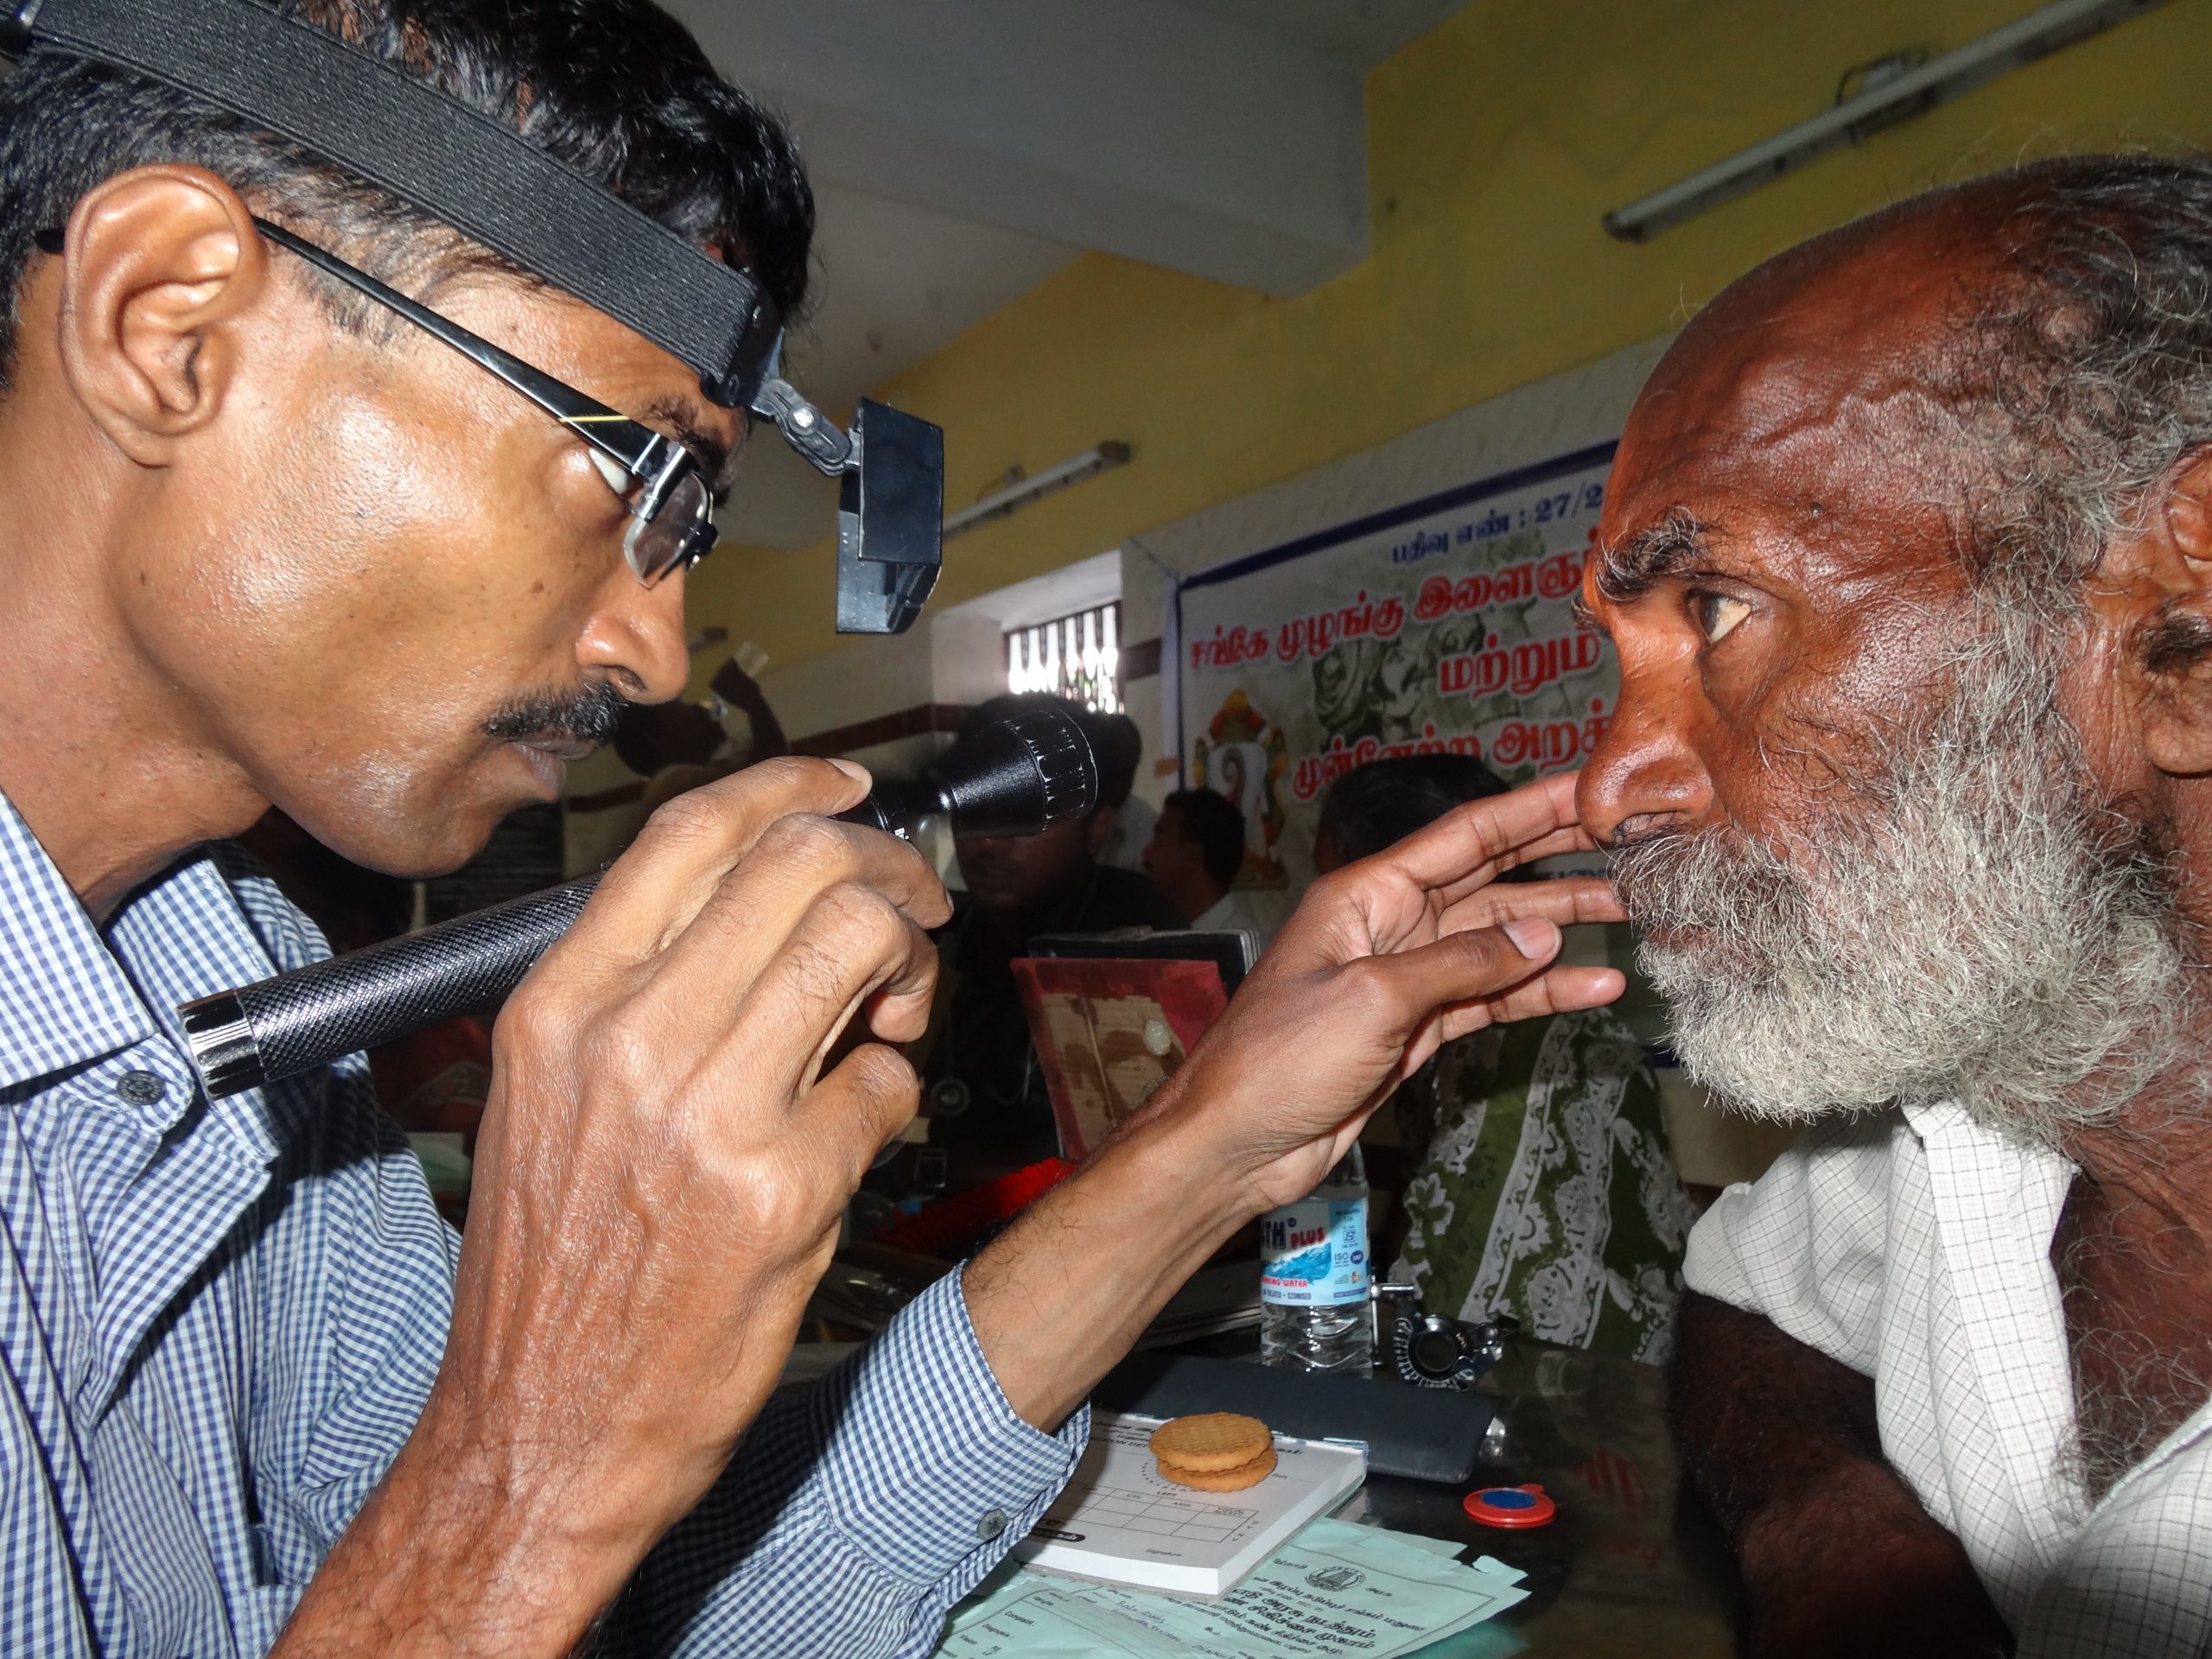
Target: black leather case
(1427,1434)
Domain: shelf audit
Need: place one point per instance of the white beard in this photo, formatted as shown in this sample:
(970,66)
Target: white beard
(1975,926)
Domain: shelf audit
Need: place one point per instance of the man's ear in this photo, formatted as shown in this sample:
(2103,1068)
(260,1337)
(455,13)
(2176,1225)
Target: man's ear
(158,261)
(2173,643)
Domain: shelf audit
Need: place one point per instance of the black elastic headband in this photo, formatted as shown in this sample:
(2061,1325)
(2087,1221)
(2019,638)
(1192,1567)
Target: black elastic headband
(471,172)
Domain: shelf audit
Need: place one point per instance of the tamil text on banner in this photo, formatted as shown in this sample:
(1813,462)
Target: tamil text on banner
(1444,625)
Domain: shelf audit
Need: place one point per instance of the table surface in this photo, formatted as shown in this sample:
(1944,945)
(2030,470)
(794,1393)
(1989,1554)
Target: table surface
(1630,1565)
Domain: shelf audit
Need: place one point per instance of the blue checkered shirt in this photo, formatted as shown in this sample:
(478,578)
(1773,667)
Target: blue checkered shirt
(219,1321)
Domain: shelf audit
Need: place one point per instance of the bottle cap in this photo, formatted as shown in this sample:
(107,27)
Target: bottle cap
(1510,1507)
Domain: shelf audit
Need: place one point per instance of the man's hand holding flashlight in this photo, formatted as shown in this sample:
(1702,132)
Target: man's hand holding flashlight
(660,1173)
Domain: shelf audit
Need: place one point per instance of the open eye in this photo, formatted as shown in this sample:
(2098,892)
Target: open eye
(617,479)
(1718,614)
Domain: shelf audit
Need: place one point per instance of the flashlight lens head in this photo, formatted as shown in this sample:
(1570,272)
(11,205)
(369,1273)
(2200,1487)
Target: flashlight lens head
(1018,776)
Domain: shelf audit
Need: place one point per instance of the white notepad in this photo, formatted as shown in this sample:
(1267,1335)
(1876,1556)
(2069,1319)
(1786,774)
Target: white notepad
(1121,1521)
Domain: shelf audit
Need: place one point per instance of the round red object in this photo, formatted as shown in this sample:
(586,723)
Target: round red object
(1511,1507)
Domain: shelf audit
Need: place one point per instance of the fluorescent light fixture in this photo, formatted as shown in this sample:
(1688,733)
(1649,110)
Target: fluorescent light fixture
(2040,33)
(999,503)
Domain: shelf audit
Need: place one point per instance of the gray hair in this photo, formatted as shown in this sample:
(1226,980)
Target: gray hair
(2090,374)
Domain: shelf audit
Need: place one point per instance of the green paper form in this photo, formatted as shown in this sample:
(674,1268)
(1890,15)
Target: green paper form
(1334,1592)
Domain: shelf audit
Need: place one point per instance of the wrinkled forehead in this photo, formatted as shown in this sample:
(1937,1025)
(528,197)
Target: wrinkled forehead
(1819,398)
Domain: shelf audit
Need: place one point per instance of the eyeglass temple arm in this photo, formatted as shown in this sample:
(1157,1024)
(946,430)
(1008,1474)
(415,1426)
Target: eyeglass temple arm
(803,426)
(593,421)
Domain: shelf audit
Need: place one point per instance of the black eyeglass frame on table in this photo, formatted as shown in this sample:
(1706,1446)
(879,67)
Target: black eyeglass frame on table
(671,524)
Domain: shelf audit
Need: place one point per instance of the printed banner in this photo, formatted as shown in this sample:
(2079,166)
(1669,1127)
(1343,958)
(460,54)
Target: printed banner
(1443,626)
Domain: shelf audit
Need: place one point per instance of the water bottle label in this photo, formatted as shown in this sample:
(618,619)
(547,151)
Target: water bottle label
(1314,1254)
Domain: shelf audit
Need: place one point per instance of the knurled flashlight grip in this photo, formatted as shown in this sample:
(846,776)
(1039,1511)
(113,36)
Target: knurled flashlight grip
(1015,776)
(295,1022)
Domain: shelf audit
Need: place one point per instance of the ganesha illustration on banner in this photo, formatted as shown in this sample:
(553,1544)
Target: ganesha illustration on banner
(1243,756)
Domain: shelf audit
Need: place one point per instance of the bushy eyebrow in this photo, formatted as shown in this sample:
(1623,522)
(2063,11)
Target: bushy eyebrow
(690,422)
(1630,568)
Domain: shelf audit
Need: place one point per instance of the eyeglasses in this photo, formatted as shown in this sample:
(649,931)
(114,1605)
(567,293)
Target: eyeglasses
(672,509)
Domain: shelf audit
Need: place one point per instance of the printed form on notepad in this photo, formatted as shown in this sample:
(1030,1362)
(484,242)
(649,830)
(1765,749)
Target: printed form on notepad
(1120,1520)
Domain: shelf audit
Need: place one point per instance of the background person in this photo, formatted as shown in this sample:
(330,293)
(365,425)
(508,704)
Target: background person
(1195,854)
(1120,746)
(1017,886)
(679,745)
(1542,1186)
(672,746)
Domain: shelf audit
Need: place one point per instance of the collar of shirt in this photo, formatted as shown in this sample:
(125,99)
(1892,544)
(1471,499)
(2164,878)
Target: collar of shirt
(1997,1201)
(135,1166)
(84,1003)
(64,1000)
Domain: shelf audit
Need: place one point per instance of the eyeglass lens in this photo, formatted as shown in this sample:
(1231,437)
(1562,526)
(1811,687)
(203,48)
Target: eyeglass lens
(679,534)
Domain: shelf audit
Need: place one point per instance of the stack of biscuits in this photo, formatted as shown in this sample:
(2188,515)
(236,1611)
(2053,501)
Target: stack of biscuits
(1214,1452)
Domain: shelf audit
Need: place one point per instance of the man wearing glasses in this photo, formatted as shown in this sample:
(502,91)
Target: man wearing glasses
(312,502)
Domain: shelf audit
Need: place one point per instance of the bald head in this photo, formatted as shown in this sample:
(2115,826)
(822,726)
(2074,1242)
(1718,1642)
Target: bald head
(1908,560)
(2025,356)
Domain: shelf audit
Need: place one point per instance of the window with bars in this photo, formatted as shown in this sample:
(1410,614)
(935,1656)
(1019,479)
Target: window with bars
(1076,656)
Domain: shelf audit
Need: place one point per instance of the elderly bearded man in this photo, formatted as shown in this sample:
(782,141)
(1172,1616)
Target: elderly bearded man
(1908,556)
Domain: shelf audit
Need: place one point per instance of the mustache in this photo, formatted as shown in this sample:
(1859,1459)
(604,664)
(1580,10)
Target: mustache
(1715,878)
(589,713)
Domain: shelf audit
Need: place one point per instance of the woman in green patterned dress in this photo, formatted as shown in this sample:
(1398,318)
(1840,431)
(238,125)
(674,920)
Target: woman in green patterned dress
(1543,1187)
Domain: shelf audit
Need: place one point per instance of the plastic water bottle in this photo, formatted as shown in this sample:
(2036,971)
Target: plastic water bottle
(1314,1275)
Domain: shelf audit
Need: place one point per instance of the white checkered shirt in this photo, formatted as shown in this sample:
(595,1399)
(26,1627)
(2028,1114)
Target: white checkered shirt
(219,1320)
(1915,1247)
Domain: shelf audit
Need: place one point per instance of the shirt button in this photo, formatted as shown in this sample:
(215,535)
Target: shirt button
(141,1088)
(990,1524)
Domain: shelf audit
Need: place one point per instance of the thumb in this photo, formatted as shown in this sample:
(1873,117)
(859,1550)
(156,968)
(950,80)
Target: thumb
(868,1097)
(1476,968)
(1462,967)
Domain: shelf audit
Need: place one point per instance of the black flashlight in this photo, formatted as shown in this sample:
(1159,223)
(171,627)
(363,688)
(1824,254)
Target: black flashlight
(1016,777)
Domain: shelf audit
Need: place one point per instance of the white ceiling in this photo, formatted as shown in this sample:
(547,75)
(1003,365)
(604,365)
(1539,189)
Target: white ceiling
(964,151)
(892,283)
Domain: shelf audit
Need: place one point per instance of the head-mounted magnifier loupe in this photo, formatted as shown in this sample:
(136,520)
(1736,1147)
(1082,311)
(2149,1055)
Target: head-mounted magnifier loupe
(493,187)
(890,469)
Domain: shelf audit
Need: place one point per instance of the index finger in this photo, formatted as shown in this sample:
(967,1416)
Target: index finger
(1469,846)
(1569,900)
(689,844)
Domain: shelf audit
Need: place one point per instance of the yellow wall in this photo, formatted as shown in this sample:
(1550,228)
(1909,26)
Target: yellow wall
(1495,142)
